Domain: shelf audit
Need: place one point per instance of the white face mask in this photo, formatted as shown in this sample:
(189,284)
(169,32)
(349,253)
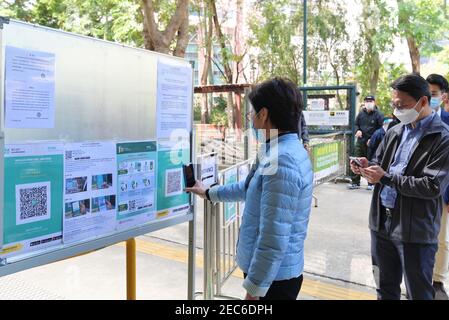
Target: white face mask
(369,106)
(407,116)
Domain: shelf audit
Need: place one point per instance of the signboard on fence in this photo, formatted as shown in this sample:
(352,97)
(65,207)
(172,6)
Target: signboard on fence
(326,118)
(326,159)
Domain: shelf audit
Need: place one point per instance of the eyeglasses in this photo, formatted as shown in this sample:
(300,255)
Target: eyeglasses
(394,106)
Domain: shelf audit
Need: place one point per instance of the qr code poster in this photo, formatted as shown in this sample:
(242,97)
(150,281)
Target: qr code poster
(33,202)
(173,182)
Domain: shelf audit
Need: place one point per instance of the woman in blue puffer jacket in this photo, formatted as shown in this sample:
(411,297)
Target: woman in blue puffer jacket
(277,195)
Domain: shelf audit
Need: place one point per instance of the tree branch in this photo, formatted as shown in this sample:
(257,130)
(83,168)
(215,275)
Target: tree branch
(183,35)
(181,13)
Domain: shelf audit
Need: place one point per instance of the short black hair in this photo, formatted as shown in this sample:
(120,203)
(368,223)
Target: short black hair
(414,85)
(439,81)
(284,102)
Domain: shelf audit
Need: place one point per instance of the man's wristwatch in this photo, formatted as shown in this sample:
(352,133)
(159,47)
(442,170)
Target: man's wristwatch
(207,194)
(387,180)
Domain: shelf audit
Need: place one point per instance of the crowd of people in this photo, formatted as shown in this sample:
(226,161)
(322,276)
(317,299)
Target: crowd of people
(405,160)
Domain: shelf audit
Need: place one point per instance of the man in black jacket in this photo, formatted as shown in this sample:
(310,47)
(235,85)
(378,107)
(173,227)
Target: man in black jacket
(410,170)
(367,122)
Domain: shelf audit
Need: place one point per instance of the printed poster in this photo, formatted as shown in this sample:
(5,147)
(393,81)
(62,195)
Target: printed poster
(136,165)
(90,190)
(29,88)
(32,197)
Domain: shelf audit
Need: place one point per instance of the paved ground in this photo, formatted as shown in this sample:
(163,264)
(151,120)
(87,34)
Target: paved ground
(337,259)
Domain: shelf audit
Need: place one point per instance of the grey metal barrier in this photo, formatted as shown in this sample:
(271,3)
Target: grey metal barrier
(329,155)
(221,227)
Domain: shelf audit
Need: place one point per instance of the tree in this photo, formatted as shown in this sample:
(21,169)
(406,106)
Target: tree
(330,38)
(377,33)
(387,74)
(205,33)
(275,34)
(422,23)
(175,37)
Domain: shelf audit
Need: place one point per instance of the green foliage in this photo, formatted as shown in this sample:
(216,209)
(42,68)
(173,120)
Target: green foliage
(377,34)
(329,39)
(273,35)
(424,21)
(197,112)
(218,115)
(388,73)
(113,20)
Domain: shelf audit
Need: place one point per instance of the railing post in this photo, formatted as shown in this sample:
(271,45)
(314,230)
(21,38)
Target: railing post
(131,269)
(208,250)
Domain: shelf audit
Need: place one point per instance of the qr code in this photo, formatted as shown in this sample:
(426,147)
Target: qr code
(173,182)
(32,202)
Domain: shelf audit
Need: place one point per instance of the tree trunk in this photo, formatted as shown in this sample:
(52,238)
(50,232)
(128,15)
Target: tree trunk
(374,77)
(183,36)
(222,41)
(412,46)
(225,62)
(177,29)
(205,30)
(414,54)
(239,64)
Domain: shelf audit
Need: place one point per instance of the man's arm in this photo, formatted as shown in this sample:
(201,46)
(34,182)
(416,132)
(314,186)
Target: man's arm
(357,123)
(434,178)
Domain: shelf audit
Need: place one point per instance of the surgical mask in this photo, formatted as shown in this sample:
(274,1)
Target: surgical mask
(407,116)
(258,134)
(369,106)
(435,103)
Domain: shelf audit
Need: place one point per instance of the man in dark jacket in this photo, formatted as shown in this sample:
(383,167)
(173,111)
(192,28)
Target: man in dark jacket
(377,137)
(367,122)
(410,170)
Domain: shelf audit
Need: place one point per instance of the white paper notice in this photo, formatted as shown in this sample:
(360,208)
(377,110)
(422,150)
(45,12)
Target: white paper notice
(29,89)
(174,99)
(90,175)
(208,170)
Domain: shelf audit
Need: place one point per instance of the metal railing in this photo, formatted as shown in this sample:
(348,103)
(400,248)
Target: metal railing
(329,157)
(221,230)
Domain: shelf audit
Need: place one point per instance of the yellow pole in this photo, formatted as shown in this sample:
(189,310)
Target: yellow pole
(131,269)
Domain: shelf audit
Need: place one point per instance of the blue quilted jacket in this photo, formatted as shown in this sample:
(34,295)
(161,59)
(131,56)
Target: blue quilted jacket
(278,197)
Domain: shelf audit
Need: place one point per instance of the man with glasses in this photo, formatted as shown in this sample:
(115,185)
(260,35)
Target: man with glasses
(410,173)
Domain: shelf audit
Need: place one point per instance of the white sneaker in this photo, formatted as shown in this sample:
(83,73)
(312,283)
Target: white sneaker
(370,188)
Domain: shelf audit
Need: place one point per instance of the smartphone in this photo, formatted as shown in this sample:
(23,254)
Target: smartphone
(189,175)
(356,161)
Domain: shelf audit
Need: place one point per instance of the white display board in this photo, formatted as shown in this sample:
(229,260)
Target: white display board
(94,134)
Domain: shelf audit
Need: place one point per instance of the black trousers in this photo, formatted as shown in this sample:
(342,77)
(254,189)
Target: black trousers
(391,259)
(284,289)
